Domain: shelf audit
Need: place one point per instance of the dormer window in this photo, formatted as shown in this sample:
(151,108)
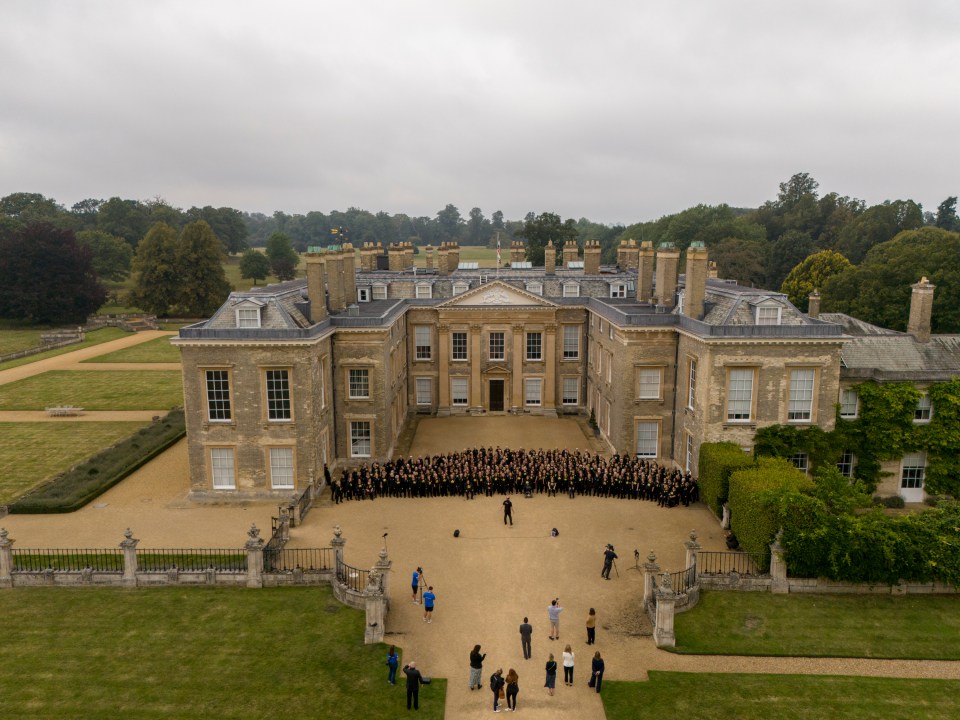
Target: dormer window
(618,290)
(459,288)
(424,291)
(363,294)
(248,316)
(768,315)
(535,288)
(379,292)
(571,290)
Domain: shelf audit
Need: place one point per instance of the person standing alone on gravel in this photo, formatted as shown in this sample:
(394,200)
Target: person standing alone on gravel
(553,613)
(476,667)
(428,600)
(507,511)
(526,633)
(415,583)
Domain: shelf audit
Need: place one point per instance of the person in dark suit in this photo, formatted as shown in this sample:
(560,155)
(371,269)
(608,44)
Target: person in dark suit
(507,511)
(526,632)
(596,676)
(414,680)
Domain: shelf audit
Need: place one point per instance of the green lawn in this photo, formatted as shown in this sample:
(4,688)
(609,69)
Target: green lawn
(225,653)
(717,696)
(32,452)
(153,351)
(871,626)
(95,390)
(95,337)
(15,336)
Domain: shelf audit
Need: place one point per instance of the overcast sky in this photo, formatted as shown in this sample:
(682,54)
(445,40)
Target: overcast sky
(615,111)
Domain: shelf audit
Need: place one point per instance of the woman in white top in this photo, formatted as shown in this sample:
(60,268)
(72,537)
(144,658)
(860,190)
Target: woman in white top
(568,666)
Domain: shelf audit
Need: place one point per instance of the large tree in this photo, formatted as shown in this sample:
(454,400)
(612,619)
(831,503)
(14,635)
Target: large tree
(786,252)
(111,255)
(947,215)
(47,276)
(283,258)
(254,265)
(227,225)
(156,274)
(813,274)
(876,225)
(540,229)
(129,219)
(741,260)
(203,282)
(878,290)
(450,222)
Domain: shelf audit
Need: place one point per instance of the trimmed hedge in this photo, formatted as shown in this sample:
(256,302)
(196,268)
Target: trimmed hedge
(755,498)
(717,461)
(76,487)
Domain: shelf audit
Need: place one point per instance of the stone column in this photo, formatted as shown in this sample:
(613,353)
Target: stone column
(666,600)
(337,544)
(476,397)
(692,547)
(254,548)
(778,568)
(373,605)
(284,526)
(725,520)
(517,367)
(6,559)
(383,567)
(129,546)
(650,571)
(445,350)
(550,371)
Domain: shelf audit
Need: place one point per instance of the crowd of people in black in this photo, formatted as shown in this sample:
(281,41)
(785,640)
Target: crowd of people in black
(502,471)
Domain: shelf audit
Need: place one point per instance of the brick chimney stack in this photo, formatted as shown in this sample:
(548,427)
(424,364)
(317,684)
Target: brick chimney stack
(645,272)
(349,258)
(316,287)
(571,253)
(696,281)
(668,263)
(550,259)
(921,310)
(813,304)
(591,257)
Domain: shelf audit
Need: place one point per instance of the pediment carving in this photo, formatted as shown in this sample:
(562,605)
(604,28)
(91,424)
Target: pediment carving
(497,294)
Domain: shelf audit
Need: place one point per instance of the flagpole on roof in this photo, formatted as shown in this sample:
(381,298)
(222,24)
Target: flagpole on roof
(498,255)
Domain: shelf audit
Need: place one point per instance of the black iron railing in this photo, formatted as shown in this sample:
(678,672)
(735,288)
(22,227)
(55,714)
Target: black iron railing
(723,563)
(223,560)
(354,578)
(68,560)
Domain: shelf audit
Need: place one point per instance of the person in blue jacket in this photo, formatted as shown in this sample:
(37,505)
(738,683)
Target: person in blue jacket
(393,661)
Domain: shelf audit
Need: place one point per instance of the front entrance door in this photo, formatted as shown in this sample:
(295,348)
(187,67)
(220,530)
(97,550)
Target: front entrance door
(496,396)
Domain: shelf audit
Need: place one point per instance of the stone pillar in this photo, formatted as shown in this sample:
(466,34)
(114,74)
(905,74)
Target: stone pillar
(337,544)
(349,267)
(650,571)
(476,398)
(335,291)
(632,255)
(692,547)
(696,281)
(666,601)
(374,609)
(445,349)
(549,399)
(591,257)
(778,568)
(383,567)
(550,259)
(254,548)
(395,257)
(517,367)
(813,304)
(725,520)
(921,310)
(129,546)
(645,272)
(668,261)
(429,260)
(453,256)
(6,559)
(442,264)
(284,526)
(316,287)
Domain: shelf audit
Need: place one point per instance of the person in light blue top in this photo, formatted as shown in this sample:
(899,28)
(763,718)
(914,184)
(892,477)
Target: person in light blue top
(428,599)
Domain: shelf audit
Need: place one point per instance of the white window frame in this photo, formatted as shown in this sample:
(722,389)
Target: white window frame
(762,315)
(533,392)
(459,288)
(801,461)
(363,294)
(358,383)
(610,369)
(501,336)
(571,290)
(803,385)
(278,398)
(691,383)
(453,347)
(424,390)
(924,410)
(847,463)
(247,321)
(649,381)
(424,291)
(618,290)
(570,394)
(689,453)
(534,353)
(571,342)
(740,381)
(323,386)
(223,468)
(534,288)
(219,396)
(422,350)
(379,292)
(647,439)
(913,470)
(846,412)
(281,468)
(361,437)
(458,398)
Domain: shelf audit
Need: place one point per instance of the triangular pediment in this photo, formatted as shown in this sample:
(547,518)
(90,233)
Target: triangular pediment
(497,294)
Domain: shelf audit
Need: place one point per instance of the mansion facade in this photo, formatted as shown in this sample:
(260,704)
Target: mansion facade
(284,379)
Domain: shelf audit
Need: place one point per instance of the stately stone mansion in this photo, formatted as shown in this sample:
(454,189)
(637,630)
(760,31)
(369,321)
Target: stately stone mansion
(285,378)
